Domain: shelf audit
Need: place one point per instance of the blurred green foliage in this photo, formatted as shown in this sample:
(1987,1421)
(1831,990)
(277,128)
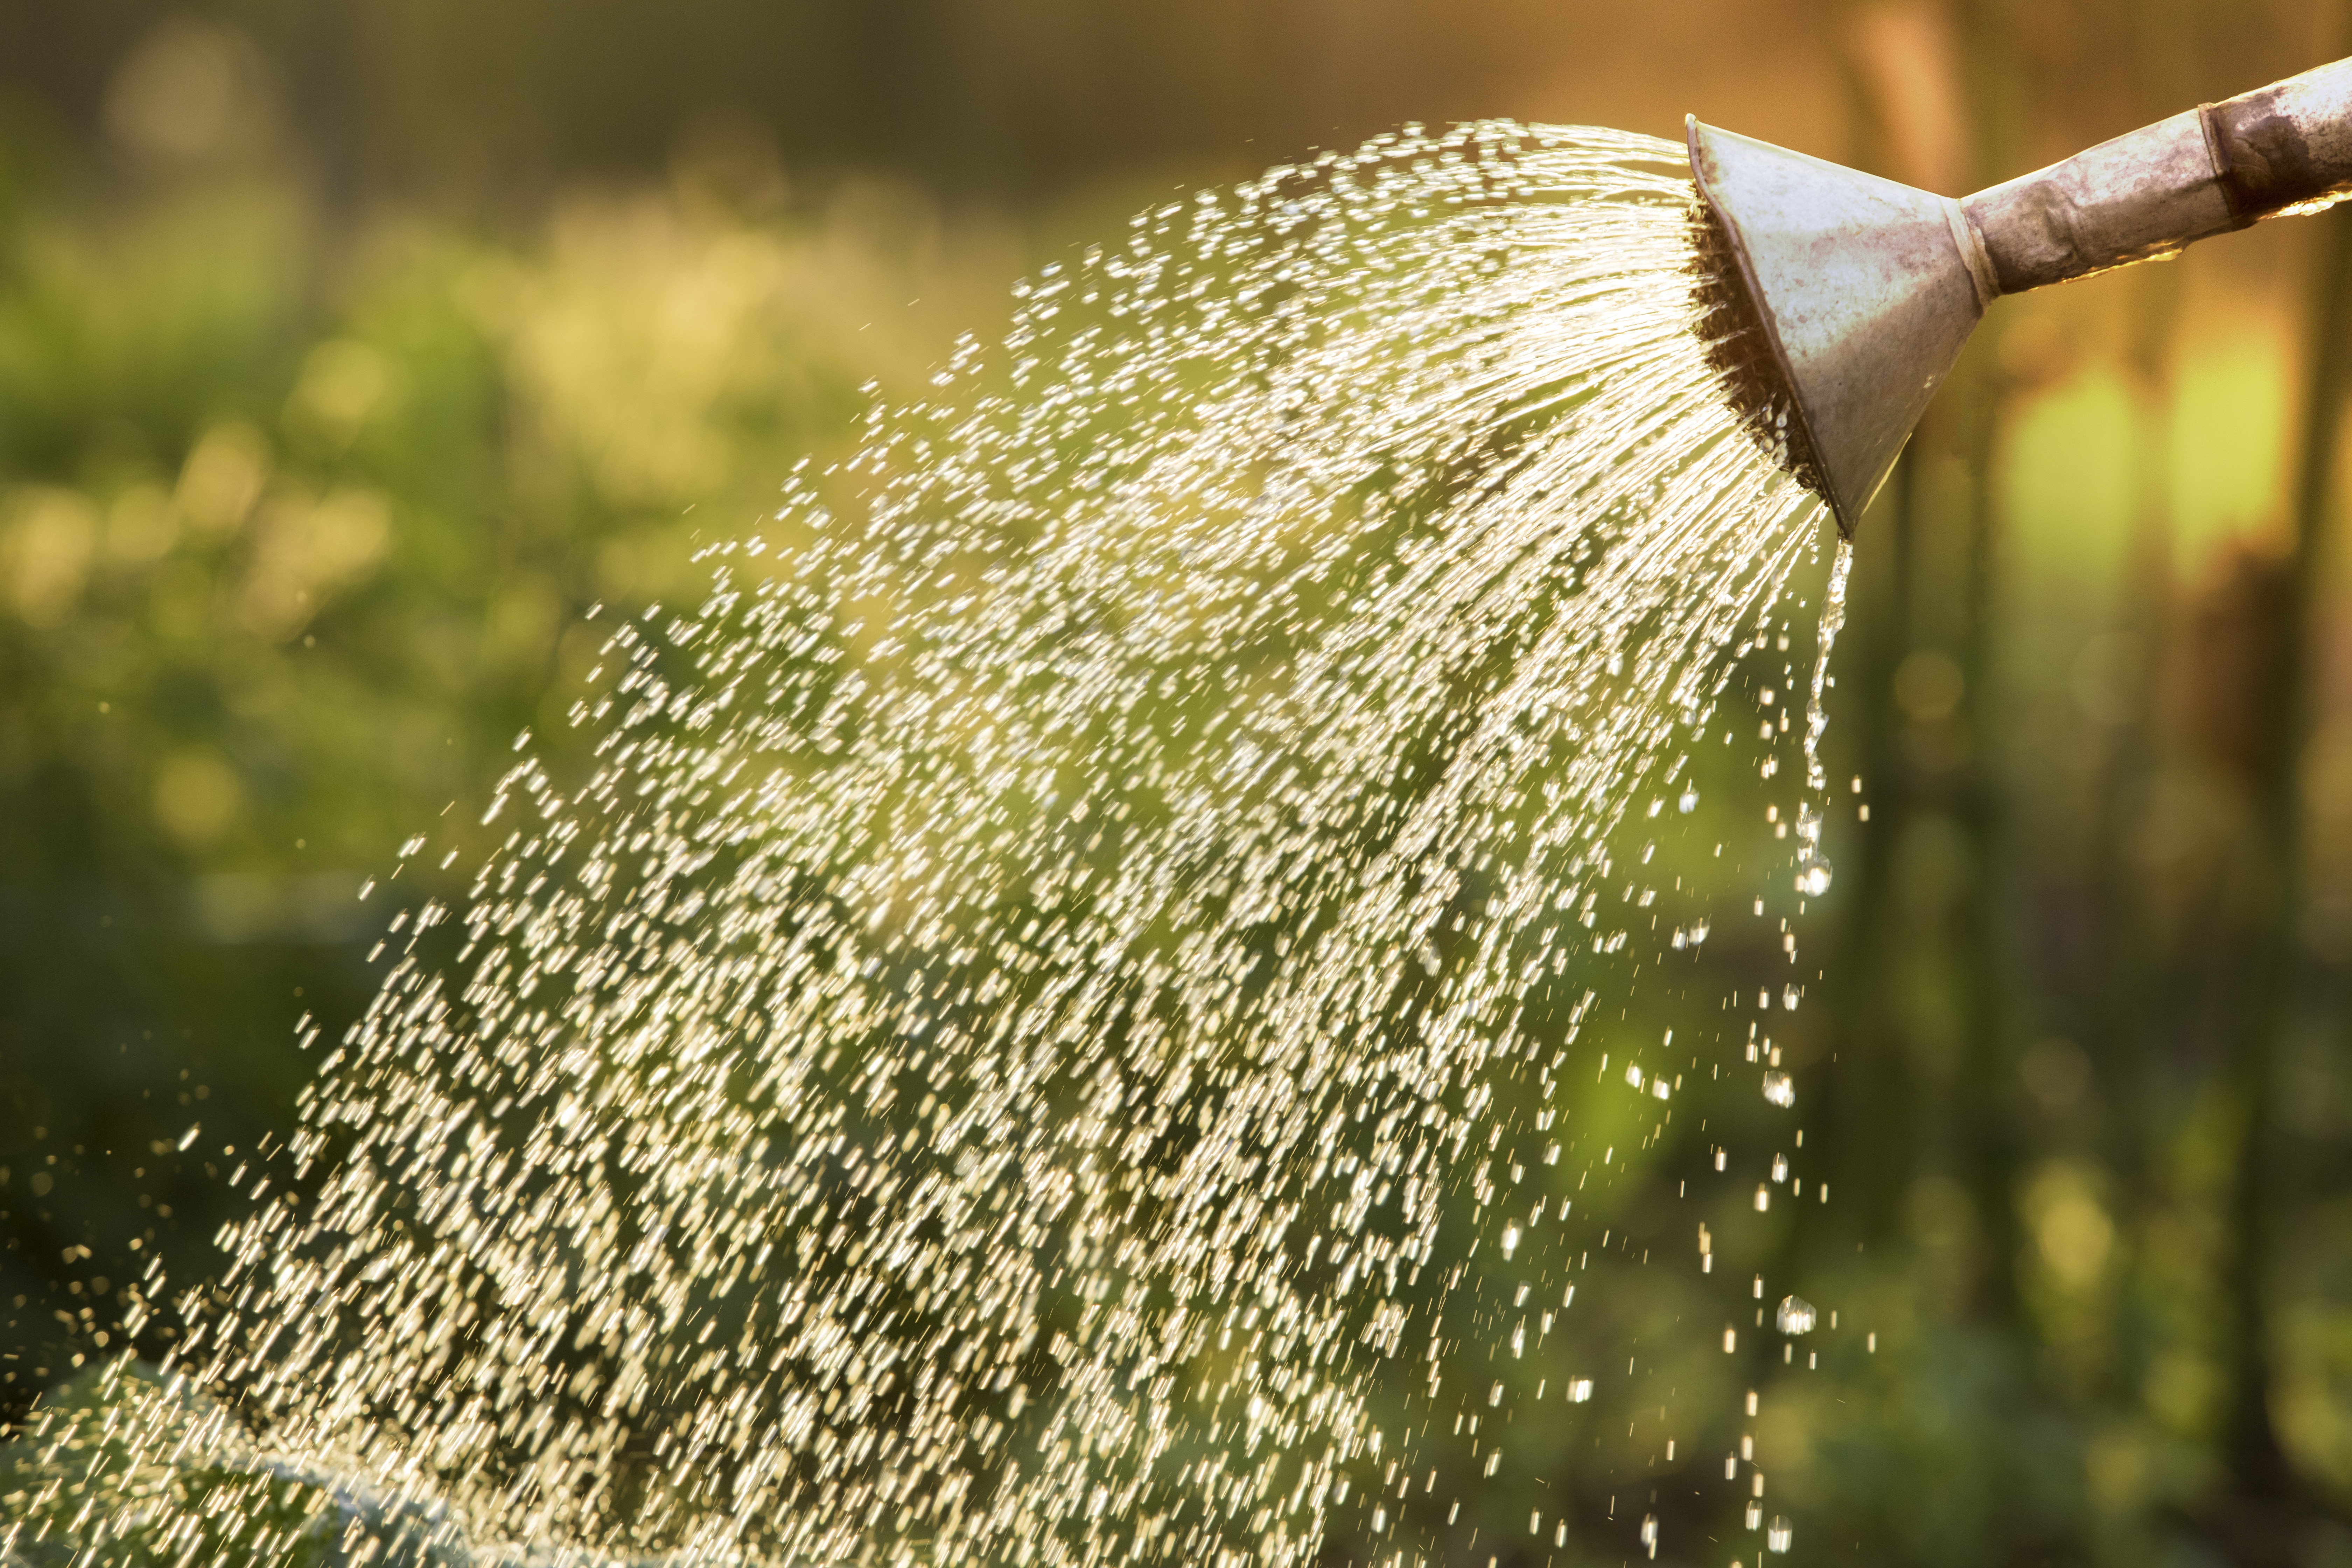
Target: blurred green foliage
(302,497)
(297,530)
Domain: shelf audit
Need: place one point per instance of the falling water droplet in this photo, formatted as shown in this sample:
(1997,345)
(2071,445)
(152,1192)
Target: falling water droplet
(1781,1089)
(1795,1315)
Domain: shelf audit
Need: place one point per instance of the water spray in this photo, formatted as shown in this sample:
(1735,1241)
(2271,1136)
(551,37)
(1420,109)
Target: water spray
(1860,293)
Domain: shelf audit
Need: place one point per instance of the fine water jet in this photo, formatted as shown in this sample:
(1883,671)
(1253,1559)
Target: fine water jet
(1861,293)
(1063,1015)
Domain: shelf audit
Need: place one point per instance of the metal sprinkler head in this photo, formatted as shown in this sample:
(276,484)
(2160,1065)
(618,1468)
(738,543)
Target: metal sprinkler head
(1837,302)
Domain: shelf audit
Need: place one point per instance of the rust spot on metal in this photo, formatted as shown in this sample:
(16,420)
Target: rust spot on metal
(2266,161)
(2030,235)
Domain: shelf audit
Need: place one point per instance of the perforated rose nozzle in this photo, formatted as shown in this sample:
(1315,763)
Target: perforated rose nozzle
(1841,300)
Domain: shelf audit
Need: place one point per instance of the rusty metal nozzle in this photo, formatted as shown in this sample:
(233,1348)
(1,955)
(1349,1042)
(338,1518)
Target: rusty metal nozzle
(1839,301)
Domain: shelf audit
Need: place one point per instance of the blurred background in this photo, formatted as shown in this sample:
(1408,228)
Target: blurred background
(350,351)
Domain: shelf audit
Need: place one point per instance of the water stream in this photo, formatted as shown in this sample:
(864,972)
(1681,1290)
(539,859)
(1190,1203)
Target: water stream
(1050,1032)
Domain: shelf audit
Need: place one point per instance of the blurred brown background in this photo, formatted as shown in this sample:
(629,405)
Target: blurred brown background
(1018,99)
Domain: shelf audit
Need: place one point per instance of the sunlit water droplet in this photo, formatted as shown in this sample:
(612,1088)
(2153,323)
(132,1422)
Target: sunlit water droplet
(1795,1315)
(1781,1089)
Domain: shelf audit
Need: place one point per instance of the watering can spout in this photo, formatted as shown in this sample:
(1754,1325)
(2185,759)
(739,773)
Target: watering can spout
(1836,302)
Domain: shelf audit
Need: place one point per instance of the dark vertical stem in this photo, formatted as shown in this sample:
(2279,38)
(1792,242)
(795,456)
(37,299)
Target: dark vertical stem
(1987,1087)
(2257,1463)
(2119,1020)
(1875,1097)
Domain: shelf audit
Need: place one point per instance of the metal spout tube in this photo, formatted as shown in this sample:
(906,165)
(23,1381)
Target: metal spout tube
(2214,169)
(1835,302)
